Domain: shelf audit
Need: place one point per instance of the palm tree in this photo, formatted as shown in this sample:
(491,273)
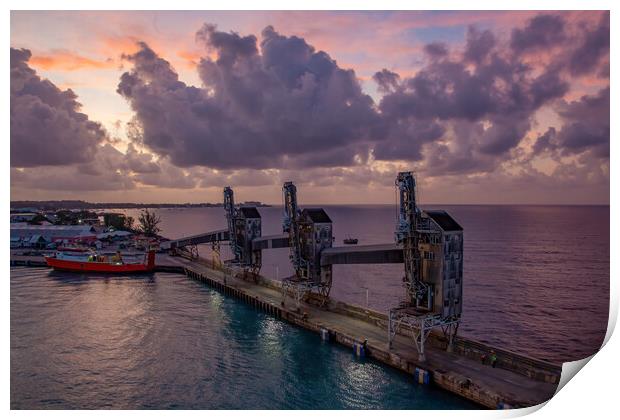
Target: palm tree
(149,223)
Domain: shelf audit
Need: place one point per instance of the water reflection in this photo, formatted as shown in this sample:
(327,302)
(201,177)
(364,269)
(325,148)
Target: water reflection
(169,342)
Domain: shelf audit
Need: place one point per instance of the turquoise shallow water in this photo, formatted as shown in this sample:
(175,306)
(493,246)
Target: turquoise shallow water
(164,341)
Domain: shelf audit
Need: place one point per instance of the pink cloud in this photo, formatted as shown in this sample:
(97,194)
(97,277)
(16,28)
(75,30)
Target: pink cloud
(68,61)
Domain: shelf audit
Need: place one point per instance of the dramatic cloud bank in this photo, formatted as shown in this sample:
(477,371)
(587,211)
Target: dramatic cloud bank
(46,125)
(265,109)
(585,129)
(50,136)
(288,105)
(474,108)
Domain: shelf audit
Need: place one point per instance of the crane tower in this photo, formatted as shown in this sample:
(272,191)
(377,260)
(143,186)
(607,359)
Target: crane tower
(310,232)
(244,225)
(432,244)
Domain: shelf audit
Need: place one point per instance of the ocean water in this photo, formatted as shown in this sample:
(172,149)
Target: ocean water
(536,281)
(536,278)
(164,341)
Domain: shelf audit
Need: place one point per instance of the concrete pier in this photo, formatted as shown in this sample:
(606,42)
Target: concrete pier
(516,381)
(27,261)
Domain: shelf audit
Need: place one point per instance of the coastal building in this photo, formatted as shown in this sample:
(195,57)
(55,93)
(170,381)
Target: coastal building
(37,241)
(315,235)
(247,224)
(441,250)
(29,235)
(23,217)
(24,210)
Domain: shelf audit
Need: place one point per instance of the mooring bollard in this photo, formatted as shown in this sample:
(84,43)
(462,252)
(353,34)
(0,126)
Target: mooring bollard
(325,334)
(422,376)
(359,350)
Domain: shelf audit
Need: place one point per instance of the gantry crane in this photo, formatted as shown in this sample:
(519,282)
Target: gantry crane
(433,281)
(244,225)
(310,232)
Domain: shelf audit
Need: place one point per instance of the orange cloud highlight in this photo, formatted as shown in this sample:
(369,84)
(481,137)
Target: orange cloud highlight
(68,61)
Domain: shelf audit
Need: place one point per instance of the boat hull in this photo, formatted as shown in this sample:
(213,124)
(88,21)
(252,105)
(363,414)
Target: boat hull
(96,267)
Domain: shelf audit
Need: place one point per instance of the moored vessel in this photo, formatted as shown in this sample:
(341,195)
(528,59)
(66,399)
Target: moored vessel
(94,263)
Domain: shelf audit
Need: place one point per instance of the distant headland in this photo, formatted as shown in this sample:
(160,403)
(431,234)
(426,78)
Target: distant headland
(80,204)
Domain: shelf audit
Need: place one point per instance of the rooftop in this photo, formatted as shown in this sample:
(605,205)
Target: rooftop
(317,215)
(22,230)
(26,226)
(250,212)
(444,220)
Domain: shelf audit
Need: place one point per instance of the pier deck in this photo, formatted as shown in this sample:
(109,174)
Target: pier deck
(483,384)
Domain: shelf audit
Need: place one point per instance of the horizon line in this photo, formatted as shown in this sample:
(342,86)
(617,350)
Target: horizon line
(325,204)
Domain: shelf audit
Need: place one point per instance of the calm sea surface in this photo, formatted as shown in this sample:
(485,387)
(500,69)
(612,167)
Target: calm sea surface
(164,341)
(536,282)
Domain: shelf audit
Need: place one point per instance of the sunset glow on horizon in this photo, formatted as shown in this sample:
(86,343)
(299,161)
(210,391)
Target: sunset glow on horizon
(486,107)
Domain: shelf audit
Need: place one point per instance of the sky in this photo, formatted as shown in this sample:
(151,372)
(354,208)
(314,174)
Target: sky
(485,107)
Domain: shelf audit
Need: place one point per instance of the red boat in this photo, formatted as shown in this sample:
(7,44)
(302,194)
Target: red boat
(81,264)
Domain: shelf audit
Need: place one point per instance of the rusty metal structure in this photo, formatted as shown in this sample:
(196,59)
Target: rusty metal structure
(428,243)
(310,232)
(432,243)
(243,233)
(244,225)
